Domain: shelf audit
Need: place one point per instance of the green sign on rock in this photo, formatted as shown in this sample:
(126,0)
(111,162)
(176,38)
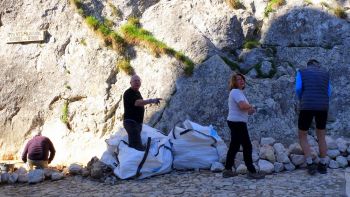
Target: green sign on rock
(25,36)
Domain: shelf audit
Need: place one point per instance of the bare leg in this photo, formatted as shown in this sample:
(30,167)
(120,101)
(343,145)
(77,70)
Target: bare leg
(304,143)
(322,142)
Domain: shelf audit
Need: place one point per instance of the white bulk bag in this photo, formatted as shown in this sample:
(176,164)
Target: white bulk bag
(209,130)
(192,149)
(131,163)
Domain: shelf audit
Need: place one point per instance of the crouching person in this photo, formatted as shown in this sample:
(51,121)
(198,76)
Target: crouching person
(37,150)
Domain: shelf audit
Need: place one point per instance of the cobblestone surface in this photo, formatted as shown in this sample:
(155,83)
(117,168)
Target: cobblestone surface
(190,183)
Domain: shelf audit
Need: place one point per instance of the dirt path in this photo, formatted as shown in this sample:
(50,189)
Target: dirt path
(203,183)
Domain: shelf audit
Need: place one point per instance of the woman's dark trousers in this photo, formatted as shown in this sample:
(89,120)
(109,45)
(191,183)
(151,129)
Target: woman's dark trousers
(239,136)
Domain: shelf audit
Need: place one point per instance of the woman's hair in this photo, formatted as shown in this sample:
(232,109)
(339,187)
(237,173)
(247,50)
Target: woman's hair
(233,80)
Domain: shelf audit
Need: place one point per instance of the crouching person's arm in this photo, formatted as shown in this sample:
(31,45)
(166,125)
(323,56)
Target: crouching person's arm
(52,151)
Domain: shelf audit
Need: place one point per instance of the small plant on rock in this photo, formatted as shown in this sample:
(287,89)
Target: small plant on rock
(340,12)
(83,42)
(272,6)
(235,4)
(250,44)
(115,11)
(124,64)
(77,3)
(134,34)
(64,116)
(92,22)
(324,4)
(108,23)
(308,2)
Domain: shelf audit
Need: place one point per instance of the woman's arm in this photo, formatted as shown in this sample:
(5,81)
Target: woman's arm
(244,106)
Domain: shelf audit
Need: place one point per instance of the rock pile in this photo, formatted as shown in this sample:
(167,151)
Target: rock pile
(269,157)
(34,176)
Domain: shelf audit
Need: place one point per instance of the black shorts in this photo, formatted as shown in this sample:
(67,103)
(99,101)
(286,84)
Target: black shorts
(306,116)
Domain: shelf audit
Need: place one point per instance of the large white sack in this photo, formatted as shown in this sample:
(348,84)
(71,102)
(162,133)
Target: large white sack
(192,149)
(209,130)
(126,161)
(158,161)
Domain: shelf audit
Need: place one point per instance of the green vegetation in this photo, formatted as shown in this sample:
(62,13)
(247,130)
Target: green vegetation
(340,12)
(235,4)
(92,22)
(67,87)
(108,23)
(308,2)
(83,42)
(78,6)
(77,3)
(264,75)
(250,44)
(124,64)
(272,6)
(115,10)
(325,4)
(234,66)
(104,30)
(134,34)
(64,116)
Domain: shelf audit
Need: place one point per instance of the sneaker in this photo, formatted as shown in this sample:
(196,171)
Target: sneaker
(255,175)
(311,168)
(322,168)
(228,173)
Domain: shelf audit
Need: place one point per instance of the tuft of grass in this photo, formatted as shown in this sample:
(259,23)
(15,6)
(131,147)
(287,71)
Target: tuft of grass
(118,43)
(272,6)
(64,116)
(189,65)
(124,64)
(234,66)
(67,87)
(81,12)
(263,75)
(134,34)
(235,4)
(92,22)
(108,23)
(77,3)
(134,21)
(83,42)
(340,12)
(250,44)
(115,11)
(325,4)
(104,30)
(308,2)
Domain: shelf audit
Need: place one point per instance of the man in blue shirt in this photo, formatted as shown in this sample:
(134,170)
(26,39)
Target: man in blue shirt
(313,90)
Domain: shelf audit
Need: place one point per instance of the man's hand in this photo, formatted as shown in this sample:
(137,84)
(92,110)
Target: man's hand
(156,100)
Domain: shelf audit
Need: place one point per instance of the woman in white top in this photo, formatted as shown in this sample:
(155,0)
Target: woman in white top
(239,109)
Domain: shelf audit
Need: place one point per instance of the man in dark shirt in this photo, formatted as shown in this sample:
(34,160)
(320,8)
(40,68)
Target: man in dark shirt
(36,151)
(134,111)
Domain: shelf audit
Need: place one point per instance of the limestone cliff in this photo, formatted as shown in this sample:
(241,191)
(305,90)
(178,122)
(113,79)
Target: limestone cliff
(70,84)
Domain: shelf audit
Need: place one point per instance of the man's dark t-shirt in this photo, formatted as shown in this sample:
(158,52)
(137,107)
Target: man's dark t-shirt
(130,110)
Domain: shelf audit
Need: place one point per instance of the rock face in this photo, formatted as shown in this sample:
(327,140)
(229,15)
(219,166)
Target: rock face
(73,68)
